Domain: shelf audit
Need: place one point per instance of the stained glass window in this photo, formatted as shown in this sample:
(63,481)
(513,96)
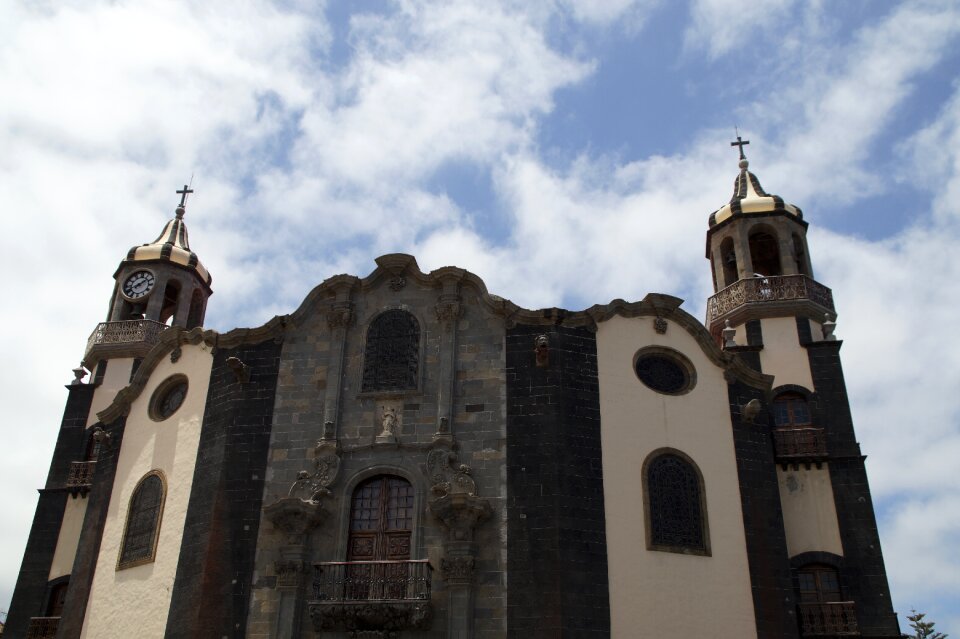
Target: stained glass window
(143,522)
(392,357)
(675,515)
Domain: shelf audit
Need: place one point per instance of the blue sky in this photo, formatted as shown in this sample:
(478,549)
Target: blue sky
(569,153)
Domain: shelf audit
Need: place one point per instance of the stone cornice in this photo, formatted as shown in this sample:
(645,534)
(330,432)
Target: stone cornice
(171,340)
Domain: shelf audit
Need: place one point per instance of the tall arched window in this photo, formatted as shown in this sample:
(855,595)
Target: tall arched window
(143,521)
(790,410)
(392,357)
(765,254)
(728,259)
(675,506)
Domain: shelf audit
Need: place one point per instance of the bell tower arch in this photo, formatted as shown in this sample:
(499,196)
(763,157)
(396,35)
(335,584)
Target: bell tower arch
(158,284)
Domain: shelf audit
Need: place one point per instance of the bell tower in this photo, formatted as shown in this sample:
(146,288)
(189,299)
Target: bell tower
(159,284)
(757,247)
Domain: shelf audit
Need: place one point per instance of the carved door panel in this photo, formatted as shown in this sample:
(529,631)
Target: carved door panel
(381,518)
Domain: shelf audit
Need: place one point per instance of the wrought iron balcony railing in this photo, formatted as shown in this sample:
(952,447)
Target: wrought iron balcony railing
(828,619)
(130,338)
(800,443)
(372,580)
(775,288)
(43,627)
(371,595)
(81,473)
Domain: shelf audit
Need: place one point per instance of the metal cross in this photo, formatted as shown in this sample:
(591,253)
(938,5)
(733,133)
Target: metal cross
(187,189)
(740,142)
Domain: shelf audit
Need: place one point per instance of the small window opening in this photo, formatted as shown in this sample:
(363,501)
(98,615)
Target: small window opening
(728,259)
(790,410)
(171,297)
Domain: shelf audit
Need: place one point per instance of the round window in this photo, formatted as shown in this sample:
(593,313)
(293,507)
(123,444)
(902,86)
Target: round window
(168,398)
(665,370)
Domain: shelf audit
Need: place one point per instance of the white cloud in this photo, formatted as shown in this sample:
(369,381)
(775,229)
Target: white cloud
(720,26)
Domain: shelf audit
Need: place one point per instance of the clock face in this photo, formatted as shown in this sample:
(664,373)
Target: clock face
(138,285)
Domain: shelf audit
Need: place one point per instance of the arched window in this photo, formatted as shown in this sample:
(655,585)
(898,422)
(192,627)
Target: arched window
(790,410)
(799,255)
(143,522)
(195,316)
(765,254)
(676,511)
(818,584)
(171,299)
(392,357)
(56,596)
(728,259)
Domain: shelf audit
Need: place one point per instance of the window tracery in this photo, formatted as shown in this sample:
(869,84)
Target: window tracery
(143,522)
(392,354)
(675,508)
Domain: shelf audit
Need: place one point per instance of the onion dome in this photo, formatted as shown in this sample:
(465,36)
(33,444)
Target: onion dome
(171,246)
(749,198)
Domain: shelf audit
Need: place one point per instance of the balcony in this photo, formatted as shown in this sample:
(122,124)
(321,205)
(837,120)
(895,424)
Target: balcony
(372,595)
(762,297)
(828,619)
(81,474)
(42,627)
(799,444)
(130,338)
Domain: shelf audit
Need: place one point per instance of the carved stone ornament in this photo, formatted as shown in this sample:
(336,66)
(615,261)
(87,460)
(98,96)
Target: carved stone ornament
(294,517)
(729,335)
(389,422)
(449,308)
(340,315)
(445,476)
(312,487)
(78,374)
(363,616)
(750,410)
(175,354)
(828,326)
(457,569)
(541,348)
(289,573)
(397,282)
(460,514)
(240,370)
(101,437)
(660,325)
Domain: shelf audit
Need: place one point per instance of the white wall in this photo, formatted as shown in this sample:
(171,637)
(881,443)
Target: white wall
(654,593)
(139,597)
(809,514)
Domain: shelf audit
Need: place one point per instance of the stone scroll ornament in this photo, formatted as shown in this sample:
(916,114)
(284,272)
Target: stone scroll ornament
(315,486)
(455,502)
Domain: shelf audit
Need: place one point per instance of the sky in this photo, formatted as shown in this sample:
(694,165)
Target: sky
(569,153)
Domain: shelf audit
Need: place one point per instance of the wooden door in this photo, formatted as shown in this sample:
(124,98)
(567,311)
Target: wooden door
(381,519)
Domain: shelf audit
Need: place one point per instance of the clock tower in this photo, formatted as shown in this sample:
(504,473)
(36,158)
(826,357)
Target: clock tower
(159,284)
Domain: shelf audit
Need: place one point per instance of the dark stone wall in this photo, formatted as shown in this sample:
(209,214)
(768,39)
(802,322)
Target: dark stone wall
(770,576)
(29,595)
(556,546)
(88,547)
(223,516)
(863,577)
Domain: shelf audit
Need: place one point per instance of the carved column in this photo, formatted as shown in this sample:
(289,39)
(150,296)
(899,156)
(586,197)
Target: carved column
(460,511)
(339,318)
(449,309)
(295,518)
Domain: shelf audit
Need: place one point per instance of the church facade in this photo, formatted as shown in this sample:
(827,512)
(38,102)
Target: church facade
(409,455)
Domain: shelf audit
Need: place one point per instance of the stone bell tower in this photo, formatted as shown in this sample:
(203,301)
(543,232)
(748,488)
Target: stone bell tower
(757,247)
(768,309)
(159,284)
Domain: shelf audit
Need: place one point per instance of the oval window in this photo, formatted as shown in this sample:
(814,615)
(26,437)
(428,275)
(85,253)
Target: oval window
(665,371)
(168,398)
